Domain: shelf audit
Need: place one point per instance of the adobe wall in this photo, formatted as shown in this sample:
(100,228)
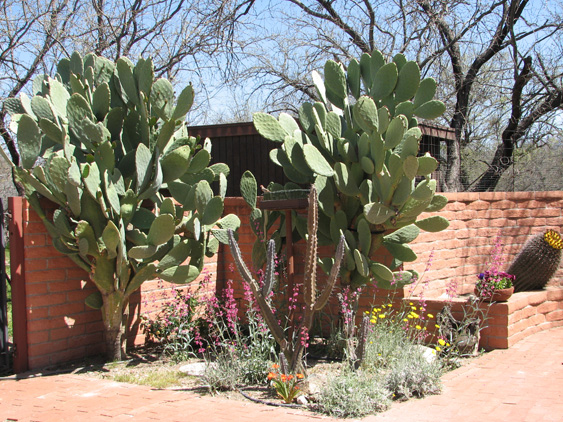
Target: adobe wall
(462,251)
(54,326)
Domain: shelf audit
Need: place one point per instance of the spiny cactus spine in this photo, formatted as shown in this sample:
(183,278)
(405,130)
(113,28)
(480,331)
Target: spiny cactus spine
(361,154)
(111,137)
(293,350)
(537,262)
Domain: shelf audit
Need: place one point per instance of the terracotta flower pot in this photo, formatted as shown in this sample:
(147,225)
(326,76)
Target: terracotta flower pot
(500,295)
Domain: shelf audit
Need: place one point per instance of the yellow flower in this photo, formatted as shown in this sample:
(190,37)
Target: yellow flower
(418,327)
(410,303)
(409,316)
(415,315)
(405,320)
(430,316)
(373,320)
(441,342)
(383,306)
(390,305)
(437,326)
(413,308)
(381,315)
(438,349)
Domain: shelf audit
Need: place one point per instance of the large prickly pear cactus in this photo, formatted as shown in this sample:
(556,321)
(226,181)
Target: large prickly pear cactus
(104,141)
(359,146)
(537,262)
(292,349)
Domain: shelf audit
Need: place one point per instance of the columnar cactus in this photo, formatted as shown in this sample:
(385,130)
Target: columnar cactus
(105,142)
(292,348)
(537,262)
(359,147)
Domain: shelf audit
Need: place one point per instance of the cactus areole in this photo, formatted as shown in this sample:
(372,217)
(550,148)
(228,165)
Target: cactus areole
(358,145)
(105,141)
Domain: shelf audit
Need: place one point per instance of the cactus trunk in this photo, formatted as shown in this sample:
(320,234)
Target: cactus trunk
(113,318)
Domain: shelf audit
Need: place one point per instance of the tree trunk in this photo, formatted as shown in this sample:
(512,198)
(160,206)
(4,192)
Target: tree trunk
(113,318)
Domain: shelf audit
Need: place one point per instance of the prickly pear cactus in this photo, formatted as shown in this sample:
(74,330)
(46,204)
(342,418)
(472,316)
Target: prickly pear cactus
(358,145)
(537,262)
(108,143)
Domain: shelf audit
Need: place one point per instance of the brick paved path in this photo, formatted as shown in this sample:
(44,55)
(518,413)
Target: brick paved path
(523,383)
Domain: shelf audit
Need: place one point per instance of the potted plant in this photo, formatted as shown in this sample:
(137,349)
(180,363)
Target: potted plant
(495,286)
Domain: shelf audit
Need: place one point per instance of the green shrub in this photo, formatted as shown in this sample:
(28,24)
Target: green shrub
(353,394)
(411,374)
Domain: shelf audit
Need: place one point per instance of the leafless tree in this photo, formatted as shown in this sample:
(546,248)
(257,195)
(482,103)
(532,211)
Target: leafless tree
(183,37)
(498,63)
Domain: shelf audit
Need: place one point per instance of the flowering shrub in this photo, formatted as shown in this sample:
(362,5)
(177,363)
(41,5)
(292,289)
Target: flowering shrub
(174,321)
(286,385)
(489,281)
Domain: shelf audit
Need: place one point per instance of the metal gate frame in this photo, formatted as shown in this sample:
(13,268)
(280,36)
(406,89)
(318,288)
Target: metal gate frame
(5,345)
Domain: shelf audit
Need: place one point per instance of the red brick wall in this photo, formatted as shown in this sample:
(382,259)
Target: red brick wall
(462,251)
(60,327)
(55,325)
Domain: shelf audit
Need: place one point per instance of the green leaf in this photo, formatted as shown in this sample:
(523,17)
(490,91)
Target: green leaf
(162,230)
(426,165)
(384,81)
(426,92)
(269,127)
(438,202)
(400,251)
(404,235)
(381,271)
(142,252)
(184,103)
(182,274)
(408,81)
(111,239)
(395,131)
(29,140)
(354,77)
(199,162)
(125,72)
(145,273)
(248,188)
(433,224)
(143,165)
(430,110)
(175,163)
(94,300)
(377,213)
(213,211)
(316,161)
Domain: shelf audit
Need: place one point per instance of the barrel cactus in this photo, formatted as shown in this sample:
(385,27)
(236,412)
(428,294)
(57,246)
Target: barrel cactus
(537,262)
(108,144)
(359,146)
